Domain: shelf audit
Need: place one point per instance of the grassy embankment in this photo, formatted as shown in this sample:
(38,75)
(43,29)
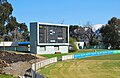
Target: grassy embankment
(6,76)
(106,66)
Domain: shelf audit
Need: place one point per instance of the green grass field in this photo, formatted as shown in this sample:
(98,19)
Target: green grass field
(6,76)
(107,66)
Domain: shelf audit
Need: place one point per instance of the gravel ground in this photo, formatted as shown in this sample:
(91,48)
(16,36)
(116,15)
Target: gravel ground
(16,64)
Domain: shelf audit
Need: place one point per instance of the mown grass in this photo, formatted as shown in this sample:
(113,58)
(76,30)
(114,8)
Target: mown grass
(106,66)
(6,76)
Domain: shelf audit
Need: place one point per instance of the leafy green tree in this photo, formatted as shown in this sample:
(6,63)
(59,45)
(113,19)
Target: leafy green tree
(9,27)
(72,43)
(24,32)
(5,12)
(2,29)
(7,38)
(111,33)
(12,24)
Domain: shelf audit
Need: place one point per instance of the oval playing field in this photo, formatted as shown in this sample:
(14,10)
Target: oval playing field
(107,66)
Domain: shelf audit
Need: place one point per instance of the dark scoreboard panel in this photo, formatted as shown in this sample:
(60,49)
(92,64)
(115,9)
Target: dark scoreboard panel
(53,34)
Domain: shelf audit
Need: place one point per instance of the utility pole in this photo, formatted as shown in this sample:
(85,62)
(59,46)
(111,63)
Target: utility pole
(16,38)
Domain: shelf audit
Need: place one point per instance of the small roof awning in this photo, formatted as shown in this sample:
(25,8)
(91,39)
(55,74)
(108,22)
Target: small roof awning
(23,43)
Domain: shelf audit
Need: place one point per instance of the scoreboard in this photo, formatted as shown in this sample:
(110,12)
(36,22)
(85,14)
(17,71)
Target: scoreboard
(53,34)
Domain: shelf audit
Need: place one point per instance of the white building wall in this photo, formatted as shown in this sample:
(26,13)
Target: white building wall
(47,50)
(51,50)
(63,49)
(8,43)
(39,51)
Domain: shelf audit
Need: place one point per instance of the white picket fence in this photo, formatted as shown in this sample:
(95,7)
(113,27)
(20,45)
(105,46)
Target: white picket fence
(67,57)
(40,64)
(43,63)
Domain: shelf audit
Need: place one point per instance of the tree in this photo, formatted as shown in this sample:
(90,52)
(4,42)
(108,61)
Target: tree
(90,35)
(10,29)
(2,29)
(5,12)
(72,43)
(7,38)
(12,24)
(111,33)
(84,34)
(74,32)
(24,32)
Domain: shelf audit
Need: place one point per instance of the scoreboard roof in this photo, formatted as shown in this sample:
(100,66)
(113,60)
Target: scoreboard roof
(50,24)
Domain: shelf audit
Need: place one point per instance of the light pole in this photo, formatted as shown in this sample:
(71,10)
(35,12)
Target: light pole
(35,60)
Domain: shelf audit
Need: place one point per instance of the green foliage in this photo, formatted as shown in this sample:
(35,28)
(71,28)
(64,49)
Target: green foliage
(7,38)
(72,43)
(74,32)
(110,33)
(5,12)
(84,33)
(2,30)
(6,76)
(23,30)
(10,29)
(12,24)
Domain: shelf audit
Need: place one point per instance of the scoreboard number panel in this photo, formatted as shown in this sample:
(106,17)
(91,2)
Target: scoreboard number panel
(53,34)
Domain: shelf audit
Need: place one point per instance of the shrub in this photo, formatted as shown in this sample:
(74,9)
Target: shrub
(72,44)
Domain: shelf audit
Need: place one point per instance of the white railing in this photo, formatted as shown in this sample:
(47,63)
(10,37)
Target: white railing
(67,57)
(40,64)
